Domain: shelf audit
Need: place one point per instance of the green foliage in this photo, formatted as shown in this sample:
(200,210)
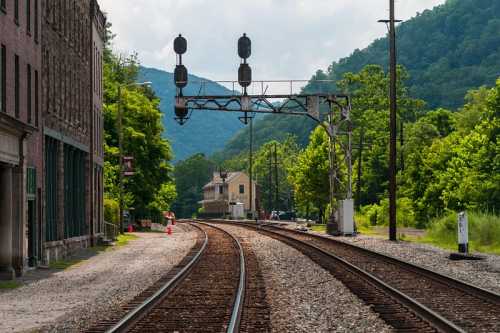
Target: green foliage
(378,214)
(190,177)
(454,163)
(265,169)
(111,211)
(151,187)
(484,231)
(309,175)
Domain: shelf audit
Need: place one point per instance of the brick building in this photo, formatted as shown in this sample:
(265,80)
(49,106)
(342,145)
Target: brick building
(20,139)
(51,150)
(72,48)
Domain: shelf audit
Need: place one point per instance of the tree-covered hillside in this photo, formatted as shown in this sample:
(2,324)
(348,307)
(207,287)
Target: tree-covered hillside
(447,51)
(205,132)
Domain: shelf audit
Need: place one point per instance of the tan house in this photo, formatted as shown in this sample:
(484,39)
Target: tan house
(219,194)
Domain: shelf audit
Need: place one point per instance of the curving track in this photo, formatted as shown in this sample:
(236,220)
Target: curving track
(407,297)
(205,293)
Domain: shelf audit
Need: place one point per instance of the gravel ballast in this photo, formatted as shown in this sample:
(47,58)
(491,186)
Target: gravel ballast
(483,273)
(303,296)
(74,299)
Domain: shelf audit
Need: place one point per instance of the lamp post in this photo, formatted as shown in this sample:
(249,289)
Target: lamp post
(120,146)
(392,122)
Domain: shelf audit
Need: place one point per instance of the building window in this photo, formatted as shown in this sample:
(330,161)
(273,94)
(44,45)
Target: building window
(3,80)
(28,16)
(16,11)
(37,98)
(16,85)
(242,189)
(36,21)
(28,93)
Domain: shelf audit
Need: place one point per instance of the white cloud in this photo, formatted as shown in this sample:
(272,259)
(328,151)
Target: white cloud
(290,38)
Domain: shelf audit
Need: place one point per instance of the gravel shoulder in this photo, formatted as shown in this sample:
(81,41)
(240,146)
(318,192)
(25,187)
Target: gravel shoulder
(483,273)
(74,299)
(303,296)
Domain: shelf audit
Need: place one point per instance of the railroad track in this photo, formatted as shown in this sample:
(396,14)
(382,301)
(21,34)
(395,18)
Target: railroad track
(204,293)
(407,297)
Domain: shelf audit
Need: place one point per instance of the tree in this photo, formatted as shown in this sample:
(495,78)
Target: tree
(151,188)
(309,175)
(190,177)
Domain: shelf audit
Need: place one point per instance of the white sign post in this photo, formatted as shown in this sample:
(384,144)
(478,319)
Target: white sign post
(463,233)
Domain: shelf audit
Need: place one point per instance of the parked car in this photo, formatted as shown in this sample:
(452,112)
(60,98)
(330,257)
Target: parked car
(275,215)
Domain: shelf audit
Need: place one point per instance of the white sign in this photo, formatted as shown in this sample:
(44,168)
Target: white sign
(463,228)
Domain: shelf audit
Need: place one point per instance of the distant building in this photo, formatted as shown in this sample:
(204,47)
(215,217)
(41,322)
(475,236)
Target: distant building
(51,124)
(219,194)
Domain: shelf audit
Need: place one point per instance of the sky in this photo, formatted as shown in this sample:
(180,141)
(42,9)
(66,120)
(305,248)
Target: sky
(291,39)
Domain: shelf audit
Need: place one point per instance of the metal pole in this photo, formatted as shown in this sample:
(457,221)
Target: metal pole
(393,129)
(120,155)
(401,143)
(360,165)
(250,158)
(270,196)
(332,226)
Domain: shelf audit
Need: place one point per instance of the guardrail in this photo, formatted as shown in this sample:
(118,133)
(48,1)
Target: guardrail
(111,231)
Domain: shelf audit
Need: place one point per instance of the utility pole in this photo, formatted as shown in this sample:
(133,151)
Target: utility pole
(401,143)
(277,189)
(392,125)
(270,194)
(360,164)
(250,159)
(120,156)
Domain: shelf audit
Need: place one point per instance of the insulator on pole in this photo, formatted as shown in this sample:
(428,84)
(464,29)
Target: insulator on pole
(244,47)
(180,45)
(244,75)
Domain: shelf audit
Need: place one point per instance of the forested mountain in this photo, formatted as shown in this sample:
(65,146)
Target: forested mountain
(205,132)
(447,51)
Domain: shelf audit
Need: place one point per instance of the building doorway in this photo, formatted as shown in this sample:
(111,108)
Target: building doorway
(32,234)
(32,218)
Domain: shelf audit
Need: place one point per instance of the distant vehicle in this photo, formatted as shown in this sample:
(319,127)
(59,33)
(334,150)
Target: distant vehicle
(287,216)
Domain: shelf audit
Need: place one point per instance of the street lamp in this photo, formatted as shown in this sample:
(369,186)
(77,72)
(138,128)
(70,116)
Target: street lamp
(120,143)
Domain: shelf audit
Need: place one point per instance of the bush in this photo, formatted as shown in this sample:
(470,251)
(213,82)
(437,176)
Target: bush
(111,211)
(379,214)
(484,231)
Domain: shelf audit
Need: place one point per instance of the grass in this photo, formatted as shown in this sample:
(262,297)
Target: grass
(319,228)
(64,264)
(123,240)
(8,285)
(484,232)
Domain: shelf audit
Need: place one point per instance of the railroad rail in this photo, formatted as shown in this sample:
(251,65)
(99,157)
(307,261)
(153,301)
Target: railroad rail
(406,296)
(204,292)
